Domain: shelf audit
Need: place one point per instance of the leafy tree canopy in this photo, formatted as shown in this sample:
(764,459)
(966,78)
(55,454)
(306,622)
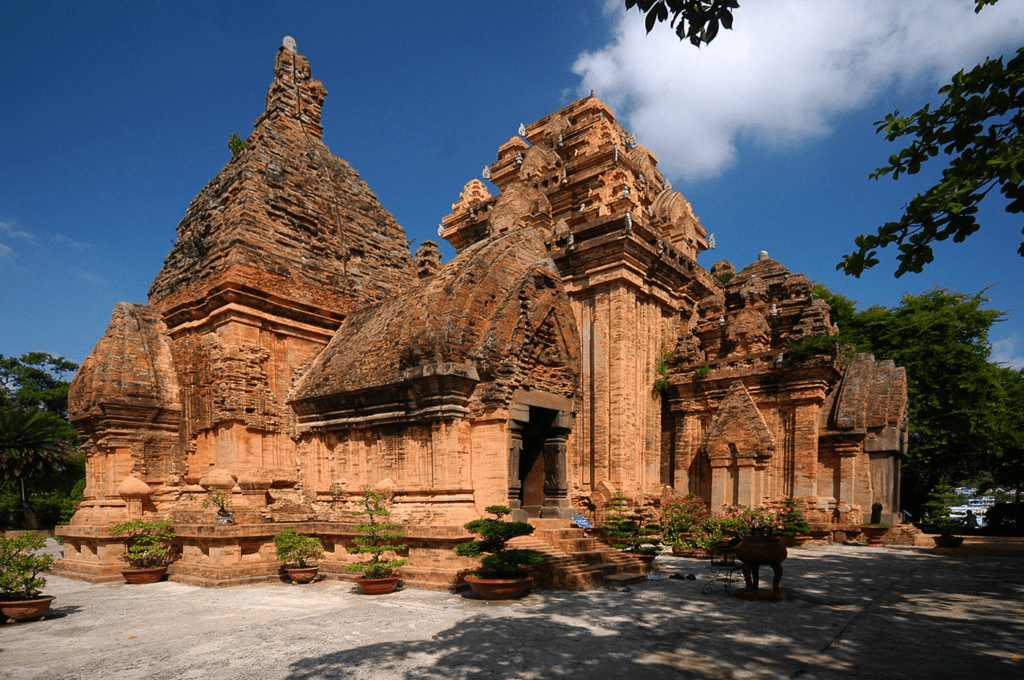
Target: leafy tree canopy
(979,125)
(39,469)
(695,20)
(963,408)
(38,381)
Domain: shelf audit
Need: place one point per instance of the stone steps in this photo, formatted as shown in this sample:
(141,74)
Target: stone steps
(573,560)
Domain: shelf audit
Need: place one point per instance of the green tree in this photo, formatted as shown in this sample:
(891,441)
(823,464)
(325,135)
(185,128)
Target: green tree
(1006,466)
(979,126)
(31,448)
(38,381)
(34,387)
(695,20)
(958,407)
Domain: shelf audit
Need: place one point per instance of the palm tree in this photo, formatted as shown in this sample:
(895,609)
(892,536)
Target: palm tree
(31,446)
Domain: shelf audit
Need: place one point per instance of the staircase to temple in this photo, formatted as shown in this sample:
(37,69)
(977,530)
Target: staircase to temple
(573,560)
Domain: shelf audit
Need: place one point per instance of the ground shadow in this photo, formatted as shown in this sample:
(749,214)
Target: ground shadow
(847,615)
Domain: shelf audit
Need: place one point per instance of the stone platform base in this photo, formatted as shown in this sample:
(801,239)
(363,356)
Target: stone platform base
(763,594)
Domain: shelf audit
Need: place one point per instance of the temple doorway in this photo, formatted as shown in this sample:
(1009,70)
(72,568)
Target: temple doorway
(538,479)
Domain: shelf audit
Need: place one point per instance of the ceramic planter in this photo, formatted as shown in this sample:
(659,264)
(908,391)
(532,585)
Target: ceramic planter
(948,541)
(148,575)
(225,519)
(377,586)
(302,574)
(793,541)
(20,610)
(499,588)
(874,534)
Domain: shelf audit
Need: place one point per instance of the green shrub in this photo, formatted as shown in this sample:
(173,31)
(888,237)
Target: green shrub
(791,520)
(20,567)
(498,560)
(236,144)
(296,549)
(630,529)
(1005,519)
(147,544)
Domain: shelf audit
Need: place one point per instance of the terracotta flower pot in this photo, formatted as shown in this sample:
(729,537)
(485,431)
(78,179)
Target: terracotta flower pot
(499,588)
(948,541)
(148,575)
(19,610)
(377,586)
(302,574)
(793,541)
(874,534)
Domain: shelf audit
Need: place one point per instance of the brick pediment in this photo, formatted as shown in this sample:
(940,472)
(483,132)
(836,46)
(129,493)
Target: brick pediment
(738,430)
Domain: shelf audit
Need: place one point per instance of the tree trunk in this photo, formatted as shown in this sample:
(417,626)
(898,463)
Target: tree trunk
(30,515)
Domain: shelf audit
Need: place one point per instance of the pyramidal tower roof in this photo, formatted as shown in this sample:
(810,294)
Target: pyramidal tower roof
(285,218)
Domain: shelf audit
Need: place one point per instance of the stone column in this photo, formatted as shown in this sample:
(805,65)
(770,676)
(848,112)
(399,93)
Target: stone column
(519,416)
(719,484)
(745,493)
(847,452)
(556,477)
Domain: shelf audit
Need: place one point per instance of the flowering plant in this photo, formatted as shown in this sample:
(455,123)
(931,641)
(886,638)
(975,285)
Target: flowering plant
(746,522)
(682,515)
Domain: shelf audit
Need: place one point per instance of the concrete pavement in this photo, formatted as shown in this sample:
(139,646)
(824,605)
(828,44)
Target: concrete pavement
(852,612)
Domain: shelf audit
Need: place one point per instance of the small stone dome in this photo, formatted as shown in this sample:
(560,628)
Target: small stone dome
(133,487)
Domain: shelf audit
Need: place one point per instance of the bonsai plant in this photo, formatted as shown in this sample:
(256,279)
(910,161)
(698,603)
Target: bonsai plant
(222,500)
(938,512)
(501,575)
(378,578)
(631,530)
(298,552)
(680,517)
(791,528)
(20,580)
(147,548)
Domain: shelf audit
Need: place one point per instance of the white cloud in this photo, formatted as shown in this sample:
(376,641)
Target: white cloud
(5,252)
(61,238)
(8,228)
(783,73)
(1009,352)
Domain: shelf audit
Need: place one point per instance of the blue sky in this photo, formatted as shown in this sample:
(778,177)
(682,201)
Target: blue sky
(115,115)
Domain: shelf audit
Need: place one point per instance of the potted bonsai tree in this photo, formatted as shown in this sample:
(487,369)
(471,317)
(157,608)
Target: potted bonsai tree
(20,580)
(680,517)
(378,572)
(792,528)
(222,500)
(632,530)
(501,575)
(147,548)
(937,510)
(299,553)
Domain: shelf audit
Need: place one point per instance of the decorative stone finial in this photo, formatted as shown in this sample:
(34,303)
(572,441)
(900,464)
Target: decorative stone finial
(763,255)
(289,44)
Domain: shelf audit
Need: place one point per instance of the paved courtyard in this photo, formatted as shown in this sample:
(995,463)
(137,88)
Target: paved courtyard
(852,612)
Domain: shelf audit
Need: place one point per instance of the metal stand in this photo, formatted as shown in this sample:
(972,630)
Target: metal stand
(723,565)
